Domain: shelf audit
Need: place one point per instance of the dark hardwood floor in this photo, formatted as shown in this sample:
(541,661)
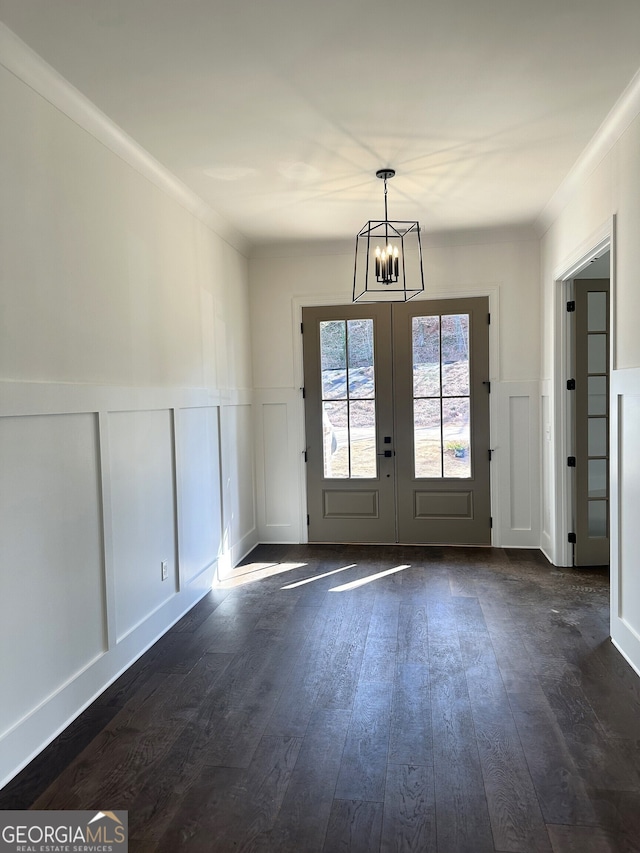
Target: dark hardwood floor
(469,701)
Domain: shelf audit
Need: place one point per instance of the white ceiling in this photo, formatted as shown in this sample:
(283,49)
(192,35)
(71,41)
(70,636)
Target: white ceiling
(278,112)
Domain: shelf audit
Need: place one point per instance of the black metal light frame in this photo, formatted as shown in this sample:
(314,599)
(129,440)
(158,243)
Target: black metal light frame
(379,277)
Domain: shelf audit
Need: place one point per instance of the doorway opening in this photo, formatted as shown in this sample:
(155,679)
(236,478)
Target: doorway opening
(588,387)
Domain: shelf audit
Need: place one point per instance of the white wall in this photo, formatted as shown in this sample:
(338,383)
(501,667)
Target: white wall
(504,266)
(125,367)
(601,202)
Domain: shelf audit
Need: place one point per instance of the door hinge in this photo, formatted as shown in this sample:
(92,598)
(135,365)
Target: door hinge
(571,306)
(307,521)
(490,454)
(304,393)
(571,384)
(305,455)
(489,319)
(572,538)
(302,328)
(571,461)
(491,521)
(488,384)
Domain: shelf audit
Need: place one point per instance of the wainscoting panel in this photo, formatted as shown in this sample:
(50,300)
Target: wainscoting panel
(52,606)
(275,449)
(520,463)
(280,468)
(200,510)
(625,510)
(238,479)
(143,514)
(515,465)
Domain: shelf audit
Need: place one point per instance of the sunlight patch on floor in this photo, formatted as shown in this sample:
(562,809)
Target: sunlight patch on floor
(253,572)
(345,587)
(318,577)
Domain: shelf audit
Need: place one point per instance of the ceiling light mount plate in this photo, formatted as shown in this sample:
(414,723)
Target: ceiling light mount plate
(385,174)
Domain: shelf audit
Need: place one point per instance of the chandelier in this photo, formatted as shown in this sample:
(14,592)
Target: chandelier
(388,265)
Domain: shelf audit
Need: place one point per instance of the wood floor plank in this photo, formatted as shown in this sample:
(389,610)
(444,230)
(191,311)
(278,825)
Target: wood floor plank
(354,827)
(346,657)
(303,817)
(597,758)
(483,675)
(124,751)
(310,674)
(364,761)
(461,806)
(379,656)
(411,735)
(413,632)
(201,612)
(618,812)
(586,839)
(559,786)
(516,819)
(409,822)
(231,807)
(234,716)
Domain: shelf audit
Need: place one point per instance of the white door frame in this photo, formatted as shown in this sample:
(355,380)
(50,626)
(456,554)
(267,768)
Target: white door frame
(601,241)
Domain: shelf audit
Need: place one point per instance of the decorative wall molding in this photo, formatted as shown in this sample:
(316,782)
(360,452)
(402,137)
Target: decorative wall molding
(37,398)
(173,450)
(624,490)
(19,59)
(623,112)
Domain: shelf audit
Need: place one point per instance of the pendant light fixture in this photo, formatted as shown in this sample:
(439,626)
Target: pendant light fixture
(388,265)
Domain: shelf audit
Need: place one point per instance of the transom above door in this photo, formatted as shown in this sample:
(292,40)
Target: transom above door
(397,422)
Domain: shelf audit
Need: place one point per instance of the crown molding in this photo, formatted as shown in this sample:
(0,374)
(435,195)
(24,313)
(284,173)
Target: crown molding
(621,115)
(433,240)
(21,61)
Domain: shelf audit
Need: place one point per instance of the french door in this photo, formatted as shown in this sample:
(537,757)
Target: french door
(591,419)
(397,422)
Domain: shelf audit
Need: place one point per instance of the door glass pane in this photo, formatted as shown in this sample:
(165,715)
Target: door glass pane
(441,396)
(348,398)
(597,439)
(360,348)
(426,356)
(335,439)
(596,354)
(597,395)
(455,355)
(597,311)
(597,518)
(597,478)
(333,359)
(362,438)
(427,438)
(455,430)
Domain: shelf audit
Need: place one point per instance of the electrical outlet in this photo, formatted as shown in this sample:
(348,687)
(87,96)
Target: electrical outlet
(165,570)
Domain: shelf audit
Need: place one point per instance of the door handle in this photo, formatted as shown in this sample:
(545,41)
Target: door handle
(387,453)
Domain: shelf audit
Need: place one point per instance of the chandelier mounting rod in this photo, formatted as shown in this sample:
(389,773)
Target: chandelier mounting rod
(385,175)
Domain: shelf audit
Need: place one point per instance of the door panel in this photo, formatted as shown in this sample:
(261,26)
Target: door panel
(592,422)
(397,420)
(348,414)
(441,368)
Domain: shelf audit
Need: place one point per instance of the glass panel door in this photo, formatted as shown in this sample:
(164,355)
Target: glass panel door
(591,335)
(397,422)
(441,368)
(349,423)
